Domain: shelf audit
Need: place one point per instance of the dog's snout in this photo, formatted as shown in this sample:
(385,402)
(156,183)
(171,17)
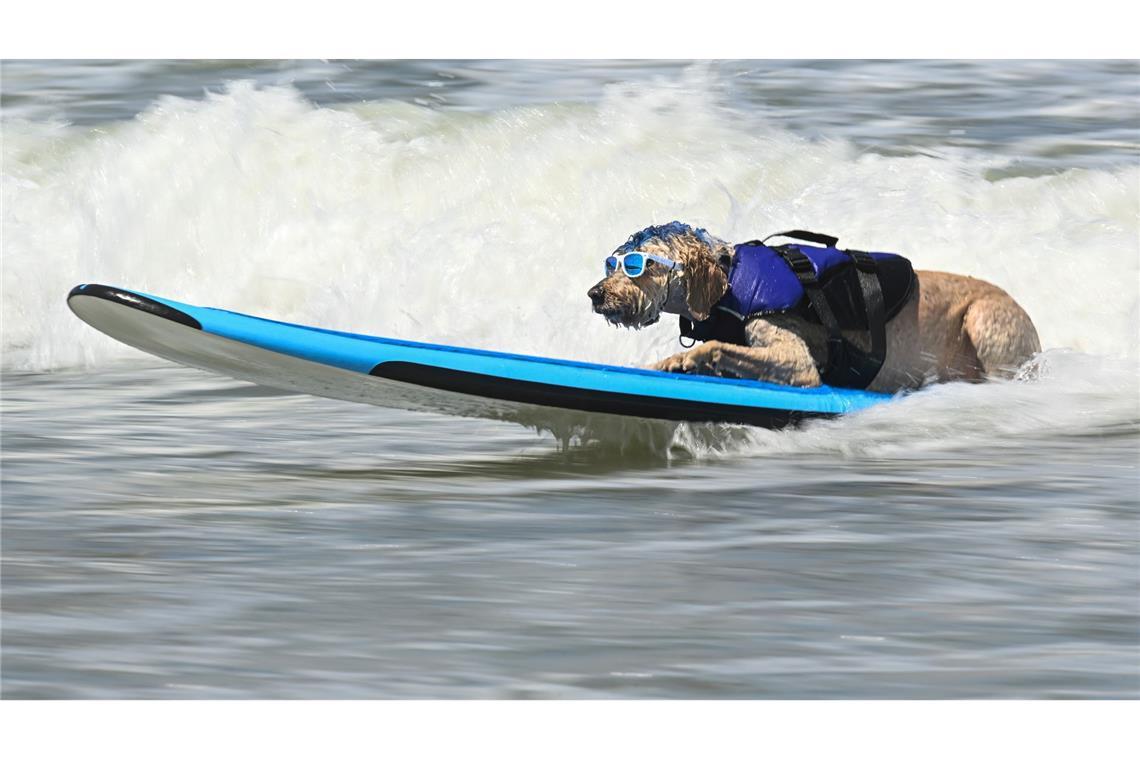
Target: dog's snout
(596,295)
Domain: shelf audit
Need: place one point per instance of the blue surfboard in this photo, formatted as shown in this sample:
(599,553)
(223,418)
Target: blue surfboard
(438,378)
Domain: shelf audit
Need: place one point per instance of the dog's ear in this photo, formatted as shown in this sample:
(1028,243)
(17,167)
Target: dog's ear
(705,283)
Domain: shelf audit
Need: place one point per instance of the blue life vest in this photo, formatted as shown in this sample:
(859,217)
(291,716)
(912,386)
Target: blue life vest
(842,290)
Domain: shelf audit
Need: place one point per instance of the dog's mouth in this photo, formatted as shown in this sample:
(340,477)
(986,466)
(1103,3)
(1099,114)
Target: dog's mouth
(613,315)
(619,317)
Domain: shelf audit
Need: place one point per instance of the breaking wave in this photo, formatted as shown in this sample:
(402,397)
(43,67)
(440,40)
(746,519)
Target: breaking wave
(486,229)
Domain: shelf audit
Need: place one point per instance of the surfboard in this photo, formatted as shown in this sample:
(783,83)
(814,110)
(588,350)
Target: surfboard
(445,379)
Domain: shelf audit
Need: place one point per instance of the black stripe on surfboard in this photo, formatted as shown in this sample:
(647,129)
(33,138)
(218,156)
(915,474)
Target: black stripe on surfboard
(564,397)
(135,301)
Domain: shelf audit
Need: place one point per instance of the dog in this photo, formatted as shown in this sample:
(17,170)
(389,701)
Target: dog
(947,327)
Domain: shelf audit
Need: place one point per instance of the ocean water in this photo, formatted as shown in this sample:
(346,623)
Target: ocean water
(171,534)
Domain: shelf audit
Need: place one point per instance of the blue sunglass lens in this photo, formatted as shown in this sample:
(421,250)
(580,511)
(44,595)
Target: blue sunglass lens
(611,264)
(634,264)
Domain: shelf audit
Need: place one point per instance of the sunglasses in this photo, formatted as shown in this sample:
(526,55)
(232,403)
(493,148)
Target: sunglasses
(634,262)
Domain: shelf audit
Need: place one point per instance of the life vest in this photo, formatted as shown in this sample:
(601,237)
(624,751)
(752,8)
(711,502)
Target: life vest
(841,290)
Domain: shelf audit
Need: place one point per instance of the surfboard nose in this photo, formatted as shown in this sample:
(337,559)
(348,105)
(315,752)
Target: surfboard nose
(125,297)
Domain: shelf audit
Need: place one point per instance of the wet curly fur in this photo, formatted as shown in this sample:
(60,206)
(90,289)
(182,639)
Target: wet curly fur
(952,327)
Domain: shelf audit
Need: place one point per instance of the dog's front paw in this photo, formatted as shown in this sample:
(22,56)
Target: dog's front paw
(671,364)
(701,360)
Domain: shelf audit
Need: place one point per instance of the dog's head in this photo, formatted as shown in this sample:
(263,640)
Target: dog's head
(692,289)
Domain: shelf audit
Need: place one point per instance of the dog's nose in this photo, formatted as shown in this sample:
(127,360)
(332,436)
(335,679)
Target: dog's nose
(596,295)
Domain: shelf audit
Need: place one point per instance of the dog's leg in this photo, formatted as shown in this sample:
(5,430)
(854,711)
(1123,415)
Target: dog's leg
(1002,335)
(784,363)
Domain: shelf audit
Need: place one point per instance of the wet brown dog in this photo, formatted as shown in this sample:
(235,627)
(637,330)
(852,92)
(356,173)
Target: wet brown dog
(951,328)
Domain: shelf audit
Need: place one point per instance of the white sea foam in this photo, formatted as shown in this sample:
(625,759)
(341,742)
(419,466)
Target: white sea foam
(487,229)
(1080,394)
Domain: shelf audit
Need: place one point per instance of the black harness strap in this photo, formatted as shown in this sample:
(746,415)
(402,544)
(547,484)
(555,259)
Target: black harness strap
(872,293)
(802,267)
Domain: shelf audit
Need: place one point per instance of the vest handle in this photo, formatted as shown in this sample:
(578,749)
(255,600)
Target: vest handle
(811,237)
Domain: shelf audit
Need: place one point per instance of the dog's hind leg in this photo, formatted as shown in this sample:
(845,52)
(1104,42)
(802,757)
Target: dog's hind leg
(1001,333)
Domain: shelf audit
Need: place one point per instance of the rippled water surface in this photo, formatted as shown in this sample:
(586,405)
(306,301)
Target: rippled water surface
(169,534)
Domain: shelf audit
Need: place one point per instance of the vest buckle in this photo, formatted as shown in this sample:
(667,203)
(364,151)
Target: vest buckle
(864,262)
